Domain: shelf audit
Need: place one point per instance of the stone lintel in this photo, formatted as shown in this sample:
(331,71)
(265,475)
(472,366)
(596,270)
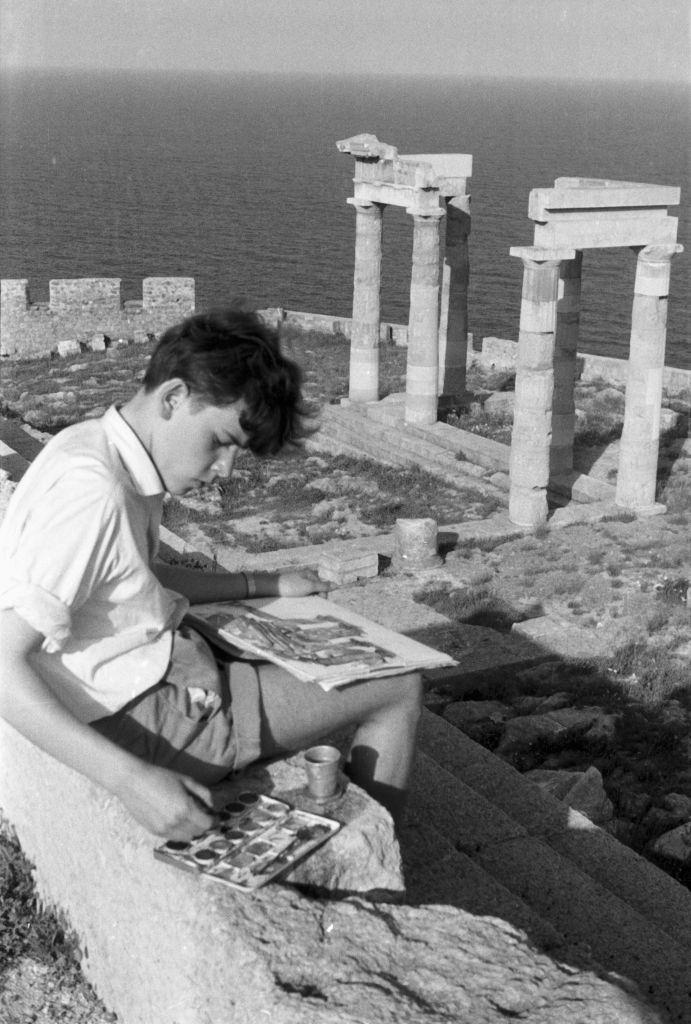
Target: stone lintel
(597,233)
(368,192)
(540,254)
(445,165)
(598,193)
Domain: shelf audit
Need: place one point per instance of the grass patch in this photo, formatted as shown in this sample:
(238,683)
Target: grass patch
(26,929)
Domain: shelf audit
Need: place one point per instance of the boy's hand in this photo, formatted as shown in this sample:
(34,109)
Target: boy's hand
(167,804)
(300,584)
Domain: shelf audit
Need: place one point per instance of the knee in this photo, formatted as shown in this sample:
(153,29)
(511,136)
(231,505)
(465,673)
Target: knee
(411,692)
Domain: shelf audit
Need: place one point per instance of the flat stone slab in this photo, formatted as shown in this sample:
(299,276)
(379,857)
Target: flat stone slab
(561,637)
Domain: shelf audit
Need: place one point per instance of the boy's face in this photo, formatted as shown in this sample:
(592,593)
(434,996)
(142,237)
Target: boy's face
(197,443)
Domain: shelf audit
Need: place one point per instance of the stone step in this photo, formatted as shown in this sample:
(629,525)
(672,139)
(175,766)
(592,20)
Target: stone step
(398,447)
(631,877)
(482,451)
(574,878)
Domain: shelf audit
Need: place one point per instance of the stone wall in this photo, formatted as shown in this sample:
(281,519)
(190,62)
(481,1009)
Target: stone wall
(81,308)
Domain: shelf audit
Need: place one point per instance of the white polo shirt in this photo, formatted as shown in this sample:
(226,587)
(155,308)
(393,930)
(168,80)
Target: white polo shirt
(76,548)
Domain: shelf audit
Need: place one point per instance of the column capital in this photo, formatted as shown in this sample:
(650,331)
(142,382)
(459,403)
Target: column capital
(660,253)
(425,215)
(363,206)
(653,269)
(536,254)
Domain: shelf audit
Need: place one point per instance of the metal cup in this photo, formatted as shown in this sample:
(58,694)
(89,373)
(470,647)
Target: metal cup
(322,765)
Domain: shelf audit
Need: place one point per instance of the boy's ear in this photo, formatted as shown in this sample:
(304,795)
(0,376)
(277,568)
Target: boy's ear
(172,393)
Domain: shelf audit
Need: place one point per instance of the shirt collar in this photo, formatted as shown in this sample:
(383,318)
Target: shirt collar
(134,455)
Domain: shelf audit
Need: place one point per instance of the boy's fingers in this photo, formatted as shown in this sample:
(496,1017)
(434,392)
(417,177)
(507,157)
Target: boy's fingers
(201,794)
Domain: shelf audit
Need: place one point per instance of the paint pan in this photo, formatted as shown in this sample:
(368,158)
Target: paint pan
(249,848)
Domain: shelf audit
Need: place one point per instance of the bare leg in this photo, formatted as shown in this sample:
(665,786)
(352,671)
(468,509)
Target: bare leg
(386,713)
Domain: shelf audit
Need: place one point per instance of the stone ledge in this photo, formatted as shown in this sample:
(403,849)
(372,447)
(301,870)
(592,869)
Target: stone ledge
(165,946)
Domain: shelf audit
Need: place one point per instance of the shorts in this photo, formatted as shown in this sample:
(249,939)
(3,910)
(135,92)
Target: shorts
(203,719)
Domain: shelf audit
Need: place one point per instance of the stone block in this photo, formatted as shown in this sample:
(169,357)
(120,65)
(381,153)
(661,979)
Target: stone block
(499,352)
(140,336)
(599,233)
(98,343)
(341,567)
(70,347)
(598,194)
(399,335)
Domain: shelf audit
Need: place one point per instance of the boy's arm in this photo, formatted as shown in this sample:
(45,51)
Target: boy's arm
(165,803)
(200,587)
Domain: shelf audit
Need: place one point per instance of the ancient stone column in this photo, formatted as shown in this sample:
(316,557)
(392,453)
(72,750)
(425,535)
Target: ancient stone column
(531,437)
(423,324)
(453,311)
(640,437)
(565,353)
(364,341)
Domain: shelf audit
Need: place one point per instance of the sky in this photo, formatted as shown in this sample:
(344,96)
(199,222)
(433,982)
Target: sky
(577,39)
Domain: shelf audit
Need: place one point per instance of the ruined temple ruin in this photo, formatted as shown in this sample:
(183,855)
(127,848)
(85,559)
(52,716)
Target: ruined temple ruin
(429,186)
(578,214)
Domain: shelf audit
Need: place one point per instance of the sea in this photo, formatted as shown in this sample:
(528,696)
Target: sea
(237,182)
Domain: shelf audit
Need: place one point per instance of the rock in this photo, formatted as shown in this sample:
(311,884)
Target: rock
(657,821)
(633,805)
(674,845)
(604,728)
(467,712)
(525,704)
(574,720)
(162,945)
(679,804)
(98,343)
(554,702)
(501,402)
(364,857)
(70,347)
(520,734)
(583,791)
(7,487)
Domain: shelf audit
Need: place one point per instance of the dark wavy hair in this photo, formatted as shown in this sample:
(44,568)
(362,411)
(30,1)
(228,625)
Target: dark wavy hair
(228,354)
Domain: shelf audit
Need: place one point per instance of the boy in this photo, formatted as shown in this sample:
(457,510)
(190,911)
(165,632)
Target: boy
(96,665)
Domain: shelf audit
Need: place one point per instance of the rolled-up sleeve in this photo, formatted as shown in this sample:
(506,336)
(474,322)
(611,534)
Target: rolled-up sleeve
(58,552)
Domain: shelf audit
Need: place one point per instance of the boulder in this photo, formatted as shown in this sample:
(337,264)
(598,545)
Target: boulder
(163,946)
(674,845)
(583,791)
(465,713)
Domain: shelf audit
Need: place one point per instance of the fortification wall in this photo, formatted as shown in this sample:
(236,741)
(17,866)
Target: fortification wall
(84,312)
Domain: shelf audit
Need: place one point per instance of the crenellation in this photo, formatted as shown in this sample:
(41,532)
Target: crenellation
(100,294)
(166,292)
(80,310)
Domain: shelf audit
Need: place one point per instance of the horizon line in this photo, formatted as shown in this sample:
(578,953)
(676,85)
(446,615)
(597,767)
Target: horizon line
(245,73)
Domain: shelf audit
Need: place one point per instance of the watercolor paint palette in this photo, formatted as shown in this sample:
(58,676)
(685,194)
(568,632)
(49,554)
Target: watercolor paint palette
(257,838)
